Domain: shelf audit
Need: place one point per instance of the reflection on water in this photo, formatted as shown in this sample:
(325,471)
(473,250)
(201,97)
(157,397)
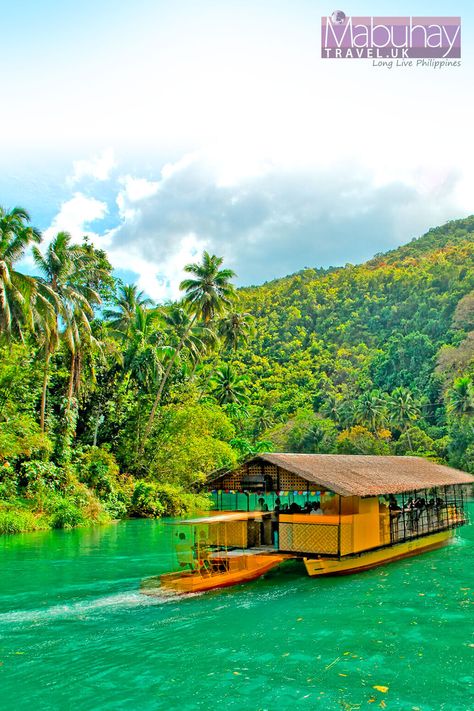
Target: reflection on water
(77,633)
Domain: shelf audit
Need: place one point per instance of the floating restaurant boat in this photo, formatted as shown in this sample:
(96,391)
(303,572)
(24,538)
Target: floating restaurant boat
(339,514)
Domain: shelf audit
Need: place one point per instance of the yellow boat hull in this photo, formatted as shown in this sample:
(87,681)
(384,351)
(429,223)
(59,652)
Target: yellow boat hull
(381,556)
(251,568)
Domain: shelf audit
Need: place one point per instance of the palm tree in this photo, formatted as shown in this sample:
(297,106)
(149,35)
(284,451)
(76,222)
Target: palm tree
(371,409)
(235,328)
(196,339)
(126,303)
(228,387)
(66,272)
(403,410)
(207,295)
(141,359)
(461,397)
(17,291)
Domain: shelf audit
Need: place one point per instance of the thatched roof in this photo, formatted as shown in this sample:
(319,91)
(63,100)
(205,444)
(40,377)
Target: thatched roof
(361,475)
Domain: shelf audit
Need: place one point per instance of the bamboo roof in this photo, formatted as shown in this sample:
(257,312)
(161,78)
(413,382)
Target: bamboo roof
(364,475)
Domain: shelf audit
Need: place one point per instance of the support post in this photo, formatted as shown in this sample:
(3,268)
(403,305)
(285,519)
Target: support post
(339,529)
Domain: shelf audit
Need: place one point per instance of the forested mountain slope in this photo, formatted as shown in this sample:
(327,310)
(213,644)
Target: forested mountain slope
(327,342)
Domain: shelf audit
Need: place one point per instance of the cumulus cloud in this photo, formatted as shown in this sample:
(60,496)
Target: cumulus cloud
(98,167)
(267,221)
(74,217)
(275,221)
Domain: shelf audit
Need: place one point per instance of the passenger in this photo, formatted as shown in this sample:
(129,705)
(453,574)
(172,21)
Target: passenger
(262,506)
(294,508)
(285,509)
(393,503)
(316,509)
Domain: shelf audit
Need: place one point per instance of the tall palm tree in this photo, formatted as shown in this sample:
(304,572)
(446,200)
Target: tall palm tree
(229,387)
(196,339)
(371,410)
(141,358)
(207,295)
(17,291)
(126,302)
(461,397)
(66,271)
(403,410)
(234,328)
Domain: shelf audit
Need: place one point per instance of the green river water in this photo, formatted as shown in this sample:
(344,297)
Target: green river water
(75,632)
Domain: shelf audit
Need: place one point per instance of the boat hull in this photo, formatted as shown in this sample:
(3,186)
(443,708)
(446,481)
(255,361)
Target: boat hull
(371,559)
(195,582)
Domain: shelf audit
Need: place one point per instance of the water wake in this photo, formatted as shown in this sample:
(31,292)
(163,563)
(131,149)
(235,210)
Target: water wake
(120,601)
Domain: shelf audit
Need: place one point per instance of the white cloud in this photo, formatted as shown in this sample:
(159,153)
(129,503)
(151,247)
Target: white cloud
(98,167)
(75,215)
(275,219)
(134,190)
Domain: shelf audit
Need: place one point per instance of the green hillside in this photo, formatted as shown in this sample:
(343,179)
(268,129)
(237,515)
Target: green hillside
(329,343)
(113,406)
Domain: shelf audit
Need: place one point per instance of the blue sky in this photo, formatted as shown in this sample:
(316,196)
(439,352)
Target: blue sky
(163,128)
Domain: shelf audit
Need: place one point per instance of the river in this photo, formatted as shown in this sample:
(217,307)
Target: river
(77,634)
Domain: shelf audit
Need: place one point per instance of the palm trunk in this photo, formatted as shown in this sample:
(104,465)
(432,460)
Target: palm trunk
(45,387)
(163,382)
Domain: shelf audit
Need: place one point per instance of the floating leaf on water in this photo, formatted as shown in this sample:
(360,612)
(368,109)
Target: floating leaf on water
(342,674)
(236,673)
(382,704)
(383,689)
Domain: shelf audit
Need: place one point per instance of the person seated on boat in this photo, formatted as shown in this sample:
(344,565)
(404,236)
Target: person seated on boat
(262,506)
(294,508)
(393,503)
(439,503)
(307,508)
(316,509)
(419,506)
(409,504)
(285,509)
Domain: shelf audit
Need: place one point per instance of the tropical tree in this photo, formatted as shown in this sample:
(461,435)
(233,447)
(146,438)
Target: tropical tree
(125,305)
(461,397)
(234,328)
(371,410)
(141,357)
(229,387)
(403,410)
(17,291)
(66,271)
(207,295)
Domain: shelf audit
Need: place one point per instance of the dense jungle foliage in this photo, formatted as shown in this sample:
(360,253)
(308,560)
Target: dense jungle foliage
(113,406)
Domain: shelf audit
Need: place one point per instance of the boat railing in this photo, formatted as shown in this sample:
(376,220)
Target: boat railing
(415,522)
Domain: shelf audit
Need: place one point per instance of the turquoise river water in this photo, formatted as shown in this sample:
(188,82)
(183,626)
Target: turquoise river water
(75,632)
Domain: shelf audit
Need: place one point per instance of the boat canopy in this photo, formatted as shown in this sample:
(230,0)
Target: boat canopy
(355,475)
(222,518)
